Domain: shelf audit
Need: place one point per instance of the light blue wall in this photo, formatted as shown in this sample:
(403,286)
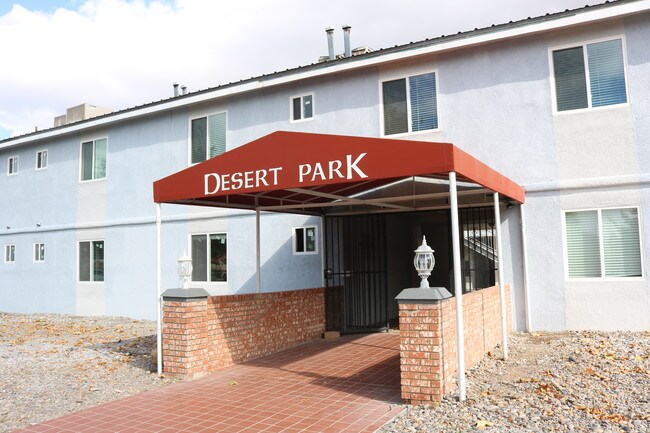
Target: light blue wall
(495,102)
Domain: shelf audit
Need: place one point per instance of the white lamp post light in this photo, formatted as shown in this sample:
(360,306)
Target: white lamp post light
(185,270)
(424,262)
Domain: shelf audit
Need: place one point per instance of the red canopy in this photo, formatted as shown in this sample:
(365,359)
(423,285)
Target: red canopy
(294,170)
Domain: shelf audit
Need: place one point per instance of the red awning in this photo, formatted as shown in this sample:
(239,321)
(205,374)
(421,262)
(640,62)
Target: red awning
(294,171)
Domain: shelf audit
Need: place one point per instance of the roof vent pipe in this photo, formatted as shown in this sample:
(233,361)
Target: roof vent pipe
(175,89)
(184,89)
(346,41)
(330,43)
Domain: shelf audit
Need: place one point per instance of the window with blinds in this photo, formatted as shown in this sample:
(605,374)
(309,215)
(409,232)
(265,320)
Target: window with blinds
(208,137)
(603,243)
(410,104)
(592,75)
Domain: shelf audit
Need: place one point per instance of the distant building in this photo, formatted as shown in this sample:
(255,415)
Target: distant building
(80,112)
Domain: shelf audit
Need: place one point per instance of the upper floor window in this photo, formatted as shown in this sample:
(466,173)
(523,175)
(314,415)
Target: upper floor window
(91,261)
(302,107)
(210,257)
(410,104)
(93,159)
(304,240)
(603,243)
(39,252)
(10,253)
(590,75)
(208,137)
(41,159)
(12,165)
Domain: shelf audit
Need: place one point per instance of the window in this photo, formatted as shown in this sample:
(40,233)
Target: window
(12,165)
(410,104)
(209,257)
(302,107)
(603,243)
(596,82)
(304,240)
(39,252)
(91,261)
(93,159)
(10,253)
(41,160)
(208,137)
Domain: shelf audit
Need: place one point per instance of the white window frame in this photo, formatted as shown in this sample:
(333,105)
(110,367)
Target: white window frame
(81,162)
(39,153)
(584,44)
(294,231)
(189,136)
(302,117)
(38,258)
(208,282)
(12,248)
(602,249)
(15,165)
(92,270)
(407,77)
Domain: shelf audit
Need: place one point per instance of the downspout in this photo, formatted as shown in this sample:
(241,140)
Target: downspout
(524,252)
(158,293)
(458,290)
(502,290)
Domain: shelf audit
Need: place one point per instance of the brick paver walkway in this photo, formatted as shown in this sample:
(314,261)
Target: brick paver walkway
(351,384)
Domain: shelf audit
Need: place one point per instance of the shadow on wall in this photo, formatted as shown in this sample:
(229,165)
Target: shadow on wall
(286,271)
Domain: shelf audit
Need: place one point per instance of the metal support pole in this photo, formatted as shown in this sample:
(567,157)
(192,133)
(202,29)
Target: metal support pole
(158,291)
(458,289)
(524,253)
(257,251)
(502,290)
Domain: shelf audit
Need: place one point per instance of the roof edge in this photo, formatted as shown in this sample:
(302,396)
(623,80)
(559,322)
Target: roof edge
(599,12)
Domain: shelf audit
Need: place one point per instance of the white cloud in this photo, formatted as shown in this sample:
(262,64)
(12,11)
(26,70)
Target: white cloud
(119,53)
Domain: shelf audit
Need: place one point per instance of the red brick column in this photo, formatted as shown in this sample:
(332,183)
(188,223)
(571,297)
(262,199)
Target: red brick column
(185,333)
(420,327)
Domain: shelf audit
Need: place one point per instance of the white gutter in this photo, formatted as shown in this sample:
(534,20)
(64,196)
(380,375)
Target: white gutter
(582,16)
(524,253)
(502,285)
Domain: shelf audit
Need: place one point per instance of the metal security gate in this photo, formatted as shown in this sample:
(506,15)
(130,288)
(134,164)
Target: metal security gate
(355,272)
(478,248)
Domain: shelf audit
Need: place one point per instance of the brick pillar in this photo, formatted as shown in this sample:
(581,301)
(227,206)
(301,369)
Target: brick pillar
(185,333)
(421,343)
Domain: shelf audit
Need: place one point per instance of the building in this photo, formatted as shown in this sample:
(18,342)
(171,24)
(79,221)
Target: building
(558,104)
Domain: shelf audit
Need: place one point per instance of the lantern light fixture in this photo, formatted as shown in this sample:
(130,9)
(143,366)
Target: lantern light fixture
(185,269)
(424,262)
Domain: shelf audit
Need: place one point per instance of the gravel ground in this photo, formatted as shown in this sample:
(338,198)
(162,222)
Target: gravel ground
(51,365)
(552,382)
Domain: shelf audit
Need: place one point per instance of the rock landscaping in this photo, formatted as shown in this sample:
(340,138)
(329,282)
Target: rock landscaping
(591,382)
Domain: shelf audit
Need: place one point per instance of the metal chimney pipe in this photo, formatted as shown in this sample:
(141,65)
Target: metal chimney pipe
(175,89)
(330,43)
(346,41)
(184,89)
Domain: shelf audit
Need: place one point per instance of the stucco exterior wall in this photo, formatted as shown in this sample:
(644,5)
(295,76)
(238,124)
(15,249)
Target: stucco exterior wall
(495,101)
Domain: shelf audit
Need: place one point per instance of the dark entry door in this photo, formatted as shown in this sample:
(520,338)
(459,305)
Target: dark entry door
(355,263)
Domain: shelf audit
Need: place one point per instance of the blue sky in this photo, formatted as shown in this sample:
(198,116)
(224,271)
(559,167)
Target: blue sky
(41,5)
(122,53)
